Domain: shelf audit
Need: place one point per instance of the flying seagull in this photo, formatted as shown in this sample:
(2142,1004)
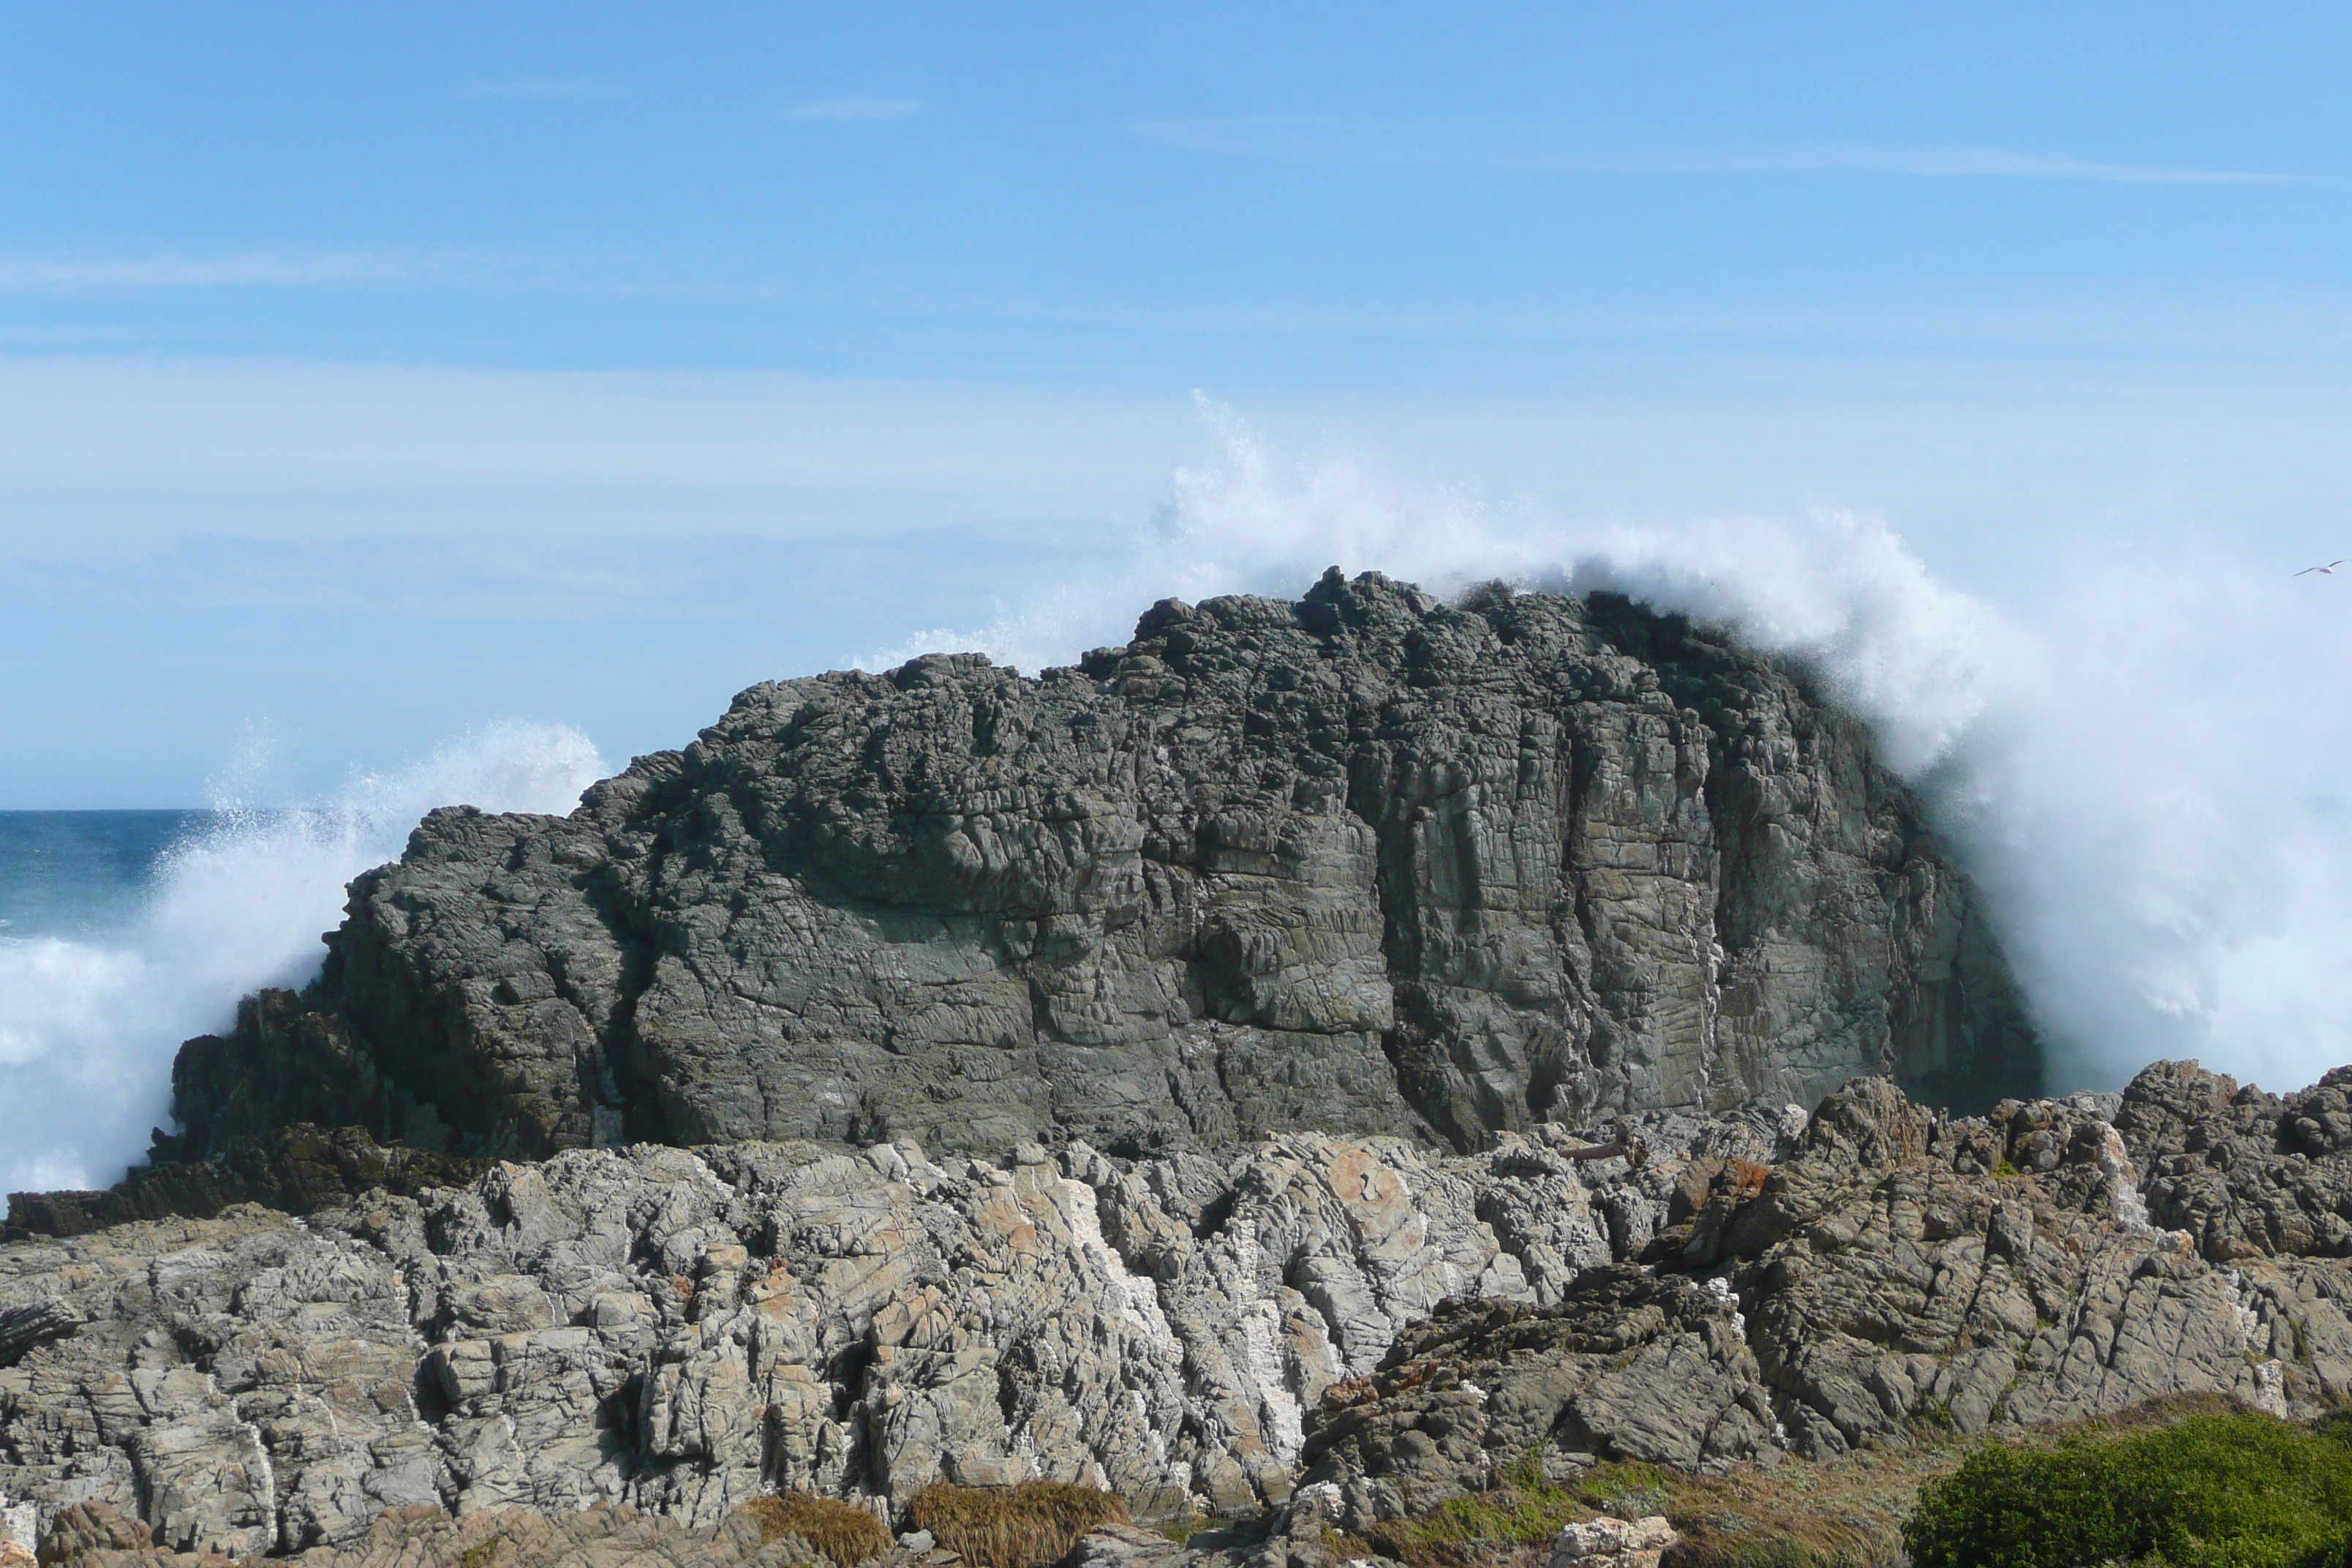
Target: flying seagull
(2326,570)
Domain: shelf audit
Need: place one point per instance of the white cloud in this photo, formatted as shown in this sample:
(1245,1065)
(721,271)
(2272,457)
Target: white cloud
(539,87)
(857,109)
(2310,327)
(846,452)
(235,270)
(1475,144)
(491,271)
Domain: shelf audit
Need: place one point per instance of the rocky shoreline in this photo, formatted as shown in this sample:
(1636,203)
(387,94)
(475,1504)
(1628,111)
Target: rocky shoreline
(1276,1077)
(677,1332)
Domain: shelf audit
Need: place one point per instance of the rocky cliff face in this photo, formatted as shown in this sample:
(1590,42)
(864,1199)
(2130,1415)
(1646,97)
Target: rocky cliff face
(1356,1322)
(1364,863)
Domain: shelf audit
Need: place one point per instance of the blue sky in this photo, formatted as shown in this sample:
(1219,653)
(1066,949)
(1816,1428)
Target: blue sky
(371,373)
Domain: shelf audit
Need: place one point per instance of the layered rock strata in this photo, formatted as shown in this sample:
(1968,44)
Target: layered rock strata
(1354,1319)
(1364,863)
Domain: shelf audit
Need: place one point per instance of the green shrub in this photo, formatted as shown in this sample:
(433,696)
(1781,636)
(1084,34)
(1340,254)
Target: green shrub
(2213,1491)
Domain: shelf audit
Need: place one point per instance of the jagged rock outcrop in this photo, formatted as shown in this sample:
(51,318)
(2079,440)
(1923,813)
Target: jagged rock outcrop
(1900,1273)
(1364,863)
(1363,1319)
(299,1169)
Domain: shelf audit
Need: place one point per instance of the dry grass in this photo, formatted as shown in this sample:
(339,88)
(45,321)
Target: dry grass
(1028,1526)
(841,1531)
(1845,1514)
(1841,1514)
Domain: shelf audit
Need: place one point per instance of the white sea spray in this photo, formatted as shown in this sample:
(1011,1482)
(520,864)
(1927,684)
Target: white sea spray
(2142,755)
(87,1029)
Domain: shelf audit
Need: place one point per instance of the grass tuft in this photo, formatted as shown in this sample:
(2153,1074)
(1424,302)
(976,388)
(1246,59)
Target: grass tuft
(1524,1509)
(1032,1525)
(842,1531)
(1180,1528)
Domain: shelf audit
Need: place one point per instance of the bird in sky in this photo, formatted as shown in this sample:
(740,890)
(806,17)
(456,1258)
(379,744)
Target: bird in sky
(2326,570)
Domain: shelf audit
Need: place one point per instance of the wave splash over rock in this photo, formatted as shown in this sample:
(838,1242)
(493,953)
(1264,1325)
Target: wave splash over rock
(2135,750)
(87,1029)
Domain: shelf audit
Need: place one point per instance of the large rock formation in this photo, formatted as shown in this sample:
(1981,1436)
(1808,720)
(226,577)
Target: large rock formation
(1364,863)
(1354,1319)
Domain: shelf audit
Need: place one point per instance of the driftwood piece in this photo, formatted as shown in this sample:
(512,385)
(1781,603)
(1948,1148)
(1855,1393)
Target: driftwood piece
(1626,1147)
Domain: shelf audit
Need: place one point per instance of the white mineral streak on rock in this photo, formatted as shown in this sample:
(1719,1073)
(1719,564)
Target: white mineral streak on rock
(2270,1388)
(1719,1286)
(2250,1321)
(2115,1165)
(1138,1299)
(1285,1423)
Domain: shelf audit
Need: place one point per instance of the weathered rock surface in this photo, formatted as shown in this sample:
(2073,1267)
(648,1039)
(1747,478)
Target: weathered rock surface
(1902,1272)
(1355,1323)
(678,1330)
(1365,864)
(1614,1543)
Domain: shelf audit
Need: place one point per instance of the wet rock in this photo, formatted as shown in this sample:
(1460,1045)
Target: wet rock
(297,1169)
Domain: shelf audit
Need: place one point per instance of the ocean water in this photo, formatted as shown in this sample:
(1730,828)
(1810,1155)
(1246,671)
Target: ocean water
(84,876)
